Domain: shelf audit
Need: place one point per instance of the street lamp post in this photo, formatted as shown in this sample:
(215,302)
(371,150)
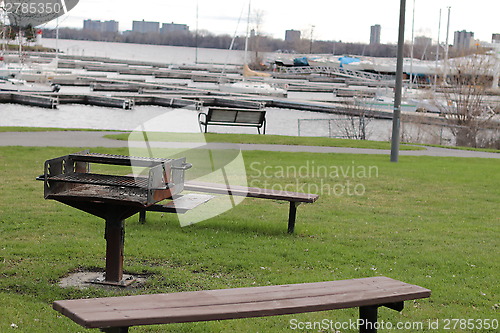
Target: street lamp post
(396,118)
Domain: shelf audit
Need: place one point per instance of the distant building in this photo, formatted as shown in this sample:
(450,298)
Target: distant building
(110,26)
(422,41)
(375,34)
(292,36)
(145,27)
(495,38)
(463,40)
(92,25)
(97,25)
(173,27)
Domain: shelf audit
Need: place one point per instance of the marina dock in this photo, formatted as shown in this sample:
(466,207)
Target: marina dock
(107,88)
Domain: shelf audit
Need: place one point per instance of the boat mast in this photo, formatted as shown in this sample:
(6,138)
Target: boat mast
(447,47)
(437,50)
(245,60)
(412,45)
(4,32)
(196,36)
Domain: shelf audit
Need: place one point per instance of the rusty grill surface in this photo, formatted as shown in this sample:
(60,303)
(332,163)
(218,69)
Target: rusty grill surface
(99,193)
(69,178)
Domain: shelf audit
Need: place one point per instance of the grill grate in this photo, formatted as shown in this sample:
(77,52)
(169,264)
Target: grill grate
(118,159)
(98,179)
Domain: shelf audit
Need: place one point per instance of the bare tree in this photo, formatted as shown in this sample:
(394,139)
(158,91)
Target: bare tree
(464,100)
(357,117)
(255,38)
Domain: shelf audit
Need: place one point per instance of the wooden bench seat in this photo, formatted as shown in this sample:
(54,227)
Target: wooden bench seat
(116,314)
(294,198)
(233,117)
(181,204)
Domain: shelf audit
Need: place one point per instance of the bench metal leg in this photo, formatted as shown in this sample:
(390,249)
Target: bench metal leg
(292,214)
(115,239)
(142,216)
(115,330)
(368,319)
(368,316)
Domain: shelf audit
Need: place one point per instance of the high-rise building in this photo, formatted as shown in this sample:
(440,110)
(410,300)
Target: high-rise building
(375,34)
(97,25)
(292,36)
(110,26)
(463,40)
(93,25)
(423,41)
(145,27)
(174,27)
(495,38)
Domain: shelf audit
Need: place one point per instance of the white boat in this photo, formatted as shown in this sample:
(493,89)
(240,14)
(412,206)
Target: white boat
(384,103)
(252,87)
(384,65)
(333,62)
(17,85)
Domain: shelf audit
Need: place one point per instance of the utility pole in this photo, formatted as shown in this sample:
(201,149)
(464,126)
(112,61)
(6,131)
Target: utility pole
(311,44)
(396,117)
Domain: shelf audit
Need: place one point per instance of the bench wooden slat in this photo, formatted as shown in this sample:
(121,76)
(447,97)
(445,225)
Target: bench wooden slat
(181,204)
(237,303)
(225,116)
(252,192)
(237,295)
(250,117)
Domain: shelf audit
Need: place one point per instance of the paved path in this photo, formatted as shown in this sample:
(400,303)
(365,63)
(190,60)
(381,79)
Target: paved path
(91,139)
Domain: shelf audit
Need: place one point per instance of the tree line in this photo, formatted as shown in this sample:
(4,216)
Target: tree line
(206,39)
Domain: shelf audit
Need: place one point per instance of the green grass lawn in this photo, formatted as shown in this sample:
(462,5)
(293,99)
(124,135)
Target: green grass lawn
(258,139)
(428,221)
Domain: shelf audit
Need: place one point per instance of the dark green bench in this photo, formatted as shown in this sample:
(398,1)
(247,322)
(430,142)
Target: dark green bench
(233,117)
(117,314)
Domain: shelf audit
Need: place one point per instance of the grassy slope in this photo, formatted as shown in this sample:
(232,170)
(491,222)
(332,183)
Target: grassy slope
(427,221)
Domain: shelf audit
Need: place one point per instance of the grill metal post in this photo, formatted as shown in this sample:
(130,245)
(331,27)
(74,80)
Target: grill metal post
(115,240)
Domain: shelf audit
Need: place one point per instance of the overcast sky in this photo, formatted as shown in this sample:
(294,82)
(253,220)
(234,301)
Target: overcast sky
(348,21)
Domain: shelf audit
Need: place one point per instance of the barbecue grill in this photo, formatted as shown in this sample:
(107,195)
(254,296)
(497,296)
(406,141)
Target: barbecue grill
(68,179)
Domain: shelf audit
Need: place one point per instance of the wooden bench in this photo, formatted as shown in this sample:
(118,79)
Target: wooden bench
(117,314)
(233,117)
(294,198)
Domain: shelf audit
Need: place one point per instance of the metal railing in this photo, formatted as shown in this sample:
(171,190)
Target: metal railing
(361,75)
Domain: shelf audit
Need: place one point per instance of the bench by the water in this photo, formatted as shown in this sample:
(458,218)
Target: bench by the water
(233,117)
(117,314)
(294,198)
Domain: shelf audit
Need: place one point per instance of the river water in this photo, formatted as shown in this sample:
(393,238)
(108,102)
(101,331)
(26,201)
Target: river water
(279,121)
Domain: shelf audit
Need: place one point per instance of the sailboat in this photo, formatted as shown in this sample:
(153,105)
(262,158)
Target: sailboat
(247,86)
(253,87)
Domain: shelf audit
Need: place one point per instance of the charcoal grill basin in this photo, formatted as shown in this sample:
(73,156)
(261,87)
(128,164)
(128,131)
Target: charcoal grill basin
(114,198)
